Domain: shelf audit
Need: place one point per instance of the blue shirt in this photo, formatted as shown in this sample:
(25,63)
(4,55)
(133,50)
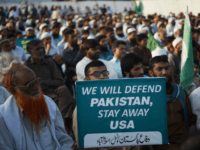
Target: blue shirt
(117,66)
(57,40)
(108,56)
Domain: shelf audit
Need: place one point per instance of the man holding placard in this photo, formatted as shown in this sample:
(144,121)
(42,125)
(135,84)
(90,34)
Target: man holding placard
(179,113)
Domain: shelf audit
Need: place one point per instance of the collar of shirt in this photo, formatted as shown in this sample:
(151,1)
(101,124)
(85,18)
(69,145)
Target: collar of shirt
(115,60)
(68,46)
(87,59)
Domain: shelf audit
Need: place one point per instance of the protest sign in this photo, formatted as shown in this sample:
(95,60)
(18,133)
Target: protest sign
(121,112)
(23,42)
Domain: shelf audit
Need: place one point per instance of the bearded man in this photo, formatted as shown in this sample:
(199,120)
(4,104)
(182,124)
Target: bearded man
(180,118)
(30,120)
(6,58)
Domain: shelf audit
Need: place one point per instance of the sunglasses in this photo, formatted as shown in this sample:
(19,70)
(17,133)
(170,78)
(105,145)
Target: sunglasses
(31,84)
(98,74)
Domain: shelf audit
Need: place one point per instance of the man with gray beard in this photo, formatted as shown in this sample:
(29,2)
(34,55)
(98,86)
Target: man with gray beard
(6,58)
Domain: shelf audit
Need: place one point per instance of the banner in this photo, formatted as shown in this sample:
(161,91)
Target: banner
(121,112)
(23,42)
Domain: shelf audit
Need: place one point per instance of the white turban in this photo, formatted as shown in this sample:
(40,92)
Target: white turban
(44,35)
(176,41)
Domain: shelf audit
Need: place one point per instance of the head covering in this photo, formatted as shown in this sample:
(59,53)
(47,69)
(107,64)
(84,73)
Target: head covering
(133,21)
(42,26)
(176,29)
(158,52)
(80,19)
(44,35)
(171,19)
(28,28)
(91,37)
(62,29)
(176,41)
(2,28)
(86,28)
(159,23)
(119,24)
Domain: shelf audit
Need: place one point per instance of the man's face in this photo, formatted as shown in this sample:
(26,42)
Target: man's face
(136,72)
(26,79)
(56,31)
(103,32)
(97,73)
(120,51)
(170,47)
(93,53)
(30,33)
(38,51)
(103,42)
(173,22)
(162,36)
(196,69)
(4,32)
(161,69)
(5,46)
(12,42)
(143,43)
(45,29)
(178,49)
(132,35)
(72,39)
(179,33)
(46,41)
(127,21)
(119,32)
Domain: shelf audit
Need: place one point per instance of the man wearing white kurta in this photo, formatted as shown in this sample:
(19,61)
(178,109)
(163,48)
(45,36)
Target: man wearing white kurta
(19,130)
(92,50)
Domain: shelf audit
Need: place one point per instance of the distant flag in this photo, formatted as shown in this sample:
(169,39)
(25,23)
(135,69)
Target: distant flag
(140,8)
(152,43)
(187,63)
(21,1)
(135,9)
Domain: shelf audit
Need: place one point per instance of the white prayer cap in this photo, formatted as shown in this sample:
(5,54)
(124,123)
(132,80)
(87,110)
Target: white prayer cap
(117,25)
(62,29)
(131,30)
(86,28)
(28,28)
(176,41)
(159,23)
(36,21)
(76,17)
(158,52)
(80,19)
(91,37)
(44,35)
(2,28)
(171,19)
(42,26)
(134,19)
(176,29)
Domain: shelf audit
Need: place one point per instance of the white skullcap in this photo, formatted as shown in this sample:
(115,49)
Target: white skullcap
(2,28)
(171,19)
(91,37)
(28,21)
(176,41)
(86,28)
(134,19)
(76,17)
(176,29)
(117,25)
(28,28)
(62,29)
(80,19)
(42,26)
(159,23)
(158,52)
(36,21)
(44,35)
(131,30)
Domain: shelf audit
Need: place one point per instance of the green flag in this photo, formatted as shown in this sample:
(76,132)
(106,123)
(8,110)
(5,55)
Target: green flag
(140,8)
(21,1)
(151,42)
(187,63)
(135,9)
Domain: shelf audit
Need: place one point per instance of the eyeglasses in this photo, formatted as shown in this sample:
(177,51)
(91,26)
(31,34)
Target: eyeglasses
(98,74)
(31,84)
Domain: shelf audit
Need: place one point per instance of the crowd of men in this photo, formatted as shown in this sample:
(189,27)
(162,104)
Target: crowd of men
(37,92)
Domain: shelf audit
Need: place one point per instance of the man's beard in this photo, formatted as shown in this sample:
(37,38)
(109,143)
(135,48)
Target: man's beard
(103,49)
(8,56)
(132,76)
(55,35)
(121,35)
(94,57)
(168,83)
(133,41)
(21,28)
(35,108)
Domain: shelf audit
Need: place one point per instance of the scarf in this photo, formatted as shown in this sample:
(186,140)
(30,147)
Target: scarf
(179,93)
